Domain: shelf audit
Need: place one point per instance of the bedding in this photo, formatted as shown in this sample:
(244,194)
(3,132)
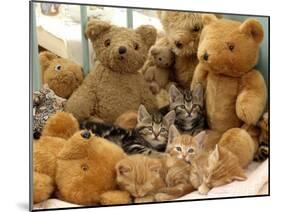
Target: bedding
(256,184)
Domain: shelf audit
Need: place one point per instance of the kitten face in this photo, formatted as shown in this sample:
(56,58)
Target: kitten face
(139,175)
(188,106)
(222,168)
(185,146)
(154,128)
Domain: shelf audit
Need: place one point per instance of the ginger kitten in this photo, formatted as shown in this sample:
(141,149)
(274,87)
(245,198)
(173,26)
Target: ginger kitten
(209,168)
(150,179)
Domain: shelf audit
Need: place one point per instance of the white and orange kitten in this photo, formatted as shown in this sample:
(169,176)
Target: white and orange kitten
(210,167)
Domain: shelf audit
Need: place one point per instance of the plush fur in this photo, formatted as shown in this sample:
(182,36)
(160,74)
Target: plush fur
(127,120)
(114,86)
(76,166)
(235,93)
(159,65)
(62,75)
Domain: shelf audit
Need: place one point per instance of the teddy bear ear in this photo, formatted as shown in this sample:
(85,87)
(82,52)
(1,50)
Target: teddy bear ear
(253,28)
(148,34)
(208,18)
(45,58)
(95,27)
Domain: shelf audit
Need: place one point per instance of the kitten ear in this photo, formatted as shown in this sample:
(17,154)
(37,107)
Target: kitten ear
(198,94)
(169,118)
(200,138)
(143,115)
(174,93)
(122,169)
(173,133)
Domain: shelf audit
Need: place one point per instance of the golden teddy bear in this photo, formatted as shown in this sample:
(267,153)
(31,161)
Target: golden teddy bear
(75,166)
(235,93)
(61,75)
(114,86)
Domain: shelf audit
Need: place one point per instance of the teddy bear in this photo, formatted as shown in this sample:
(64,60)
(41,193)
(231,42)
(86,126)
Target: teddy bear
(75,166)
(183,30)
(158,67)
(114,85)
(62,75)
(235,92)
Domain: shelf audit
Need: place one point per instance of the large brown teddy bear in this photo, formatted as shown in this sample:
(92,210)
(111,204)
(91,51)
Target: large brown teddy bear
(114,86)
(235,92)
(62,75)
(76,166)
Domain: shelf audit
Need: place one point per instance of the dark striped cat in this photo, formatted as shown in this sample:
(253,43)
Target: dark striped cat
(149,136)
(189,108)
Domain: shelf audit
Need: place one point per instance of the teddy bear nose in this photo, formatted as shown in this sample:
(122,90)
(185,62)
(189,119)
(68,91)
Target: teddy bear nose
(86,134)
(206,56)
(122,50)
(178,44)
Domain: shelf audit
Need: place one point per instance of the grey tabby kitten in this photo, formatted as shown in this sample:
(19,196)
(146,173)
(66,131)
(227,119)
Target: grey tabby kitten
(189,108)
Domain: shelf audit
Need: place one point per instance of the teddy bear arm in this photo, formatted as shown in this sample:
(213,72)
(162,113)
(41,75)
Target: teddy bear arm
(115,197)
(149,74)
(43,187)
(252,97)
(147,98)
(199,76)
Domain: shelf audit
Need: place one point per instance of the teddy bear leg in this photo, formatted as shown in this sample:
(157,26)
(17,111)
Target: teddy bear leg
(115,198)
(239,142)
(43,187)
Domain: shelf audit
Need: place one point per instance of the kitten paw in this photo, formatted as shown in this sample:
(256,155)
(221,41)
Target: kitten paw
(203,189)
(144,199)
(162,197)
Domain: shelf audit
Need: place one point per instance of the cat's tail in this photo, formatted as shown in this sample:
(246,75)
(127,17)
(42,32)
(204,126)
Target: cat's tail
(61,124)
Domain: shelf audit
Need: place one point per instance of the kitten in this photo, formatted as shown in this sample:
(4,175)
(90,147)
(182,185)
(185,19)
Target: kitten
(189,108)
(263,149)
(149,136)
(209,169)
(150,179)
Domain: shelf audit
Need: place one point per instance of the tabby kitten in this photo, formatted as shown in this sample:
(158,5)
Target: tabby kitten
(150,179)
(189,108)
(149,136)
(208,168)
(263,149)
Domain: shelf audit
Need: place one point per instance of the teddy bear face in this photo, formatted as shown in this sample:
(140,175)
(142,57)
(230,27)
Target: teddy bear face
(120,49)
(183,30)
(62,76)
(162,57)
(229,47)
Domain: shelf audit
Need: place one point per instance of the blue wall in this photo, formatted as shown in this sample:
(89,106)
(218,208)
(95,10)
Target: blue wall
(262,65)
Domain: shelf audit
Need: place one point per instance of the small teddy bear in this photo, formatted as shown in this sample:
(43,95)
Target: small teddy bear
(75,166)
(62,75)
(114,86)
(158,67)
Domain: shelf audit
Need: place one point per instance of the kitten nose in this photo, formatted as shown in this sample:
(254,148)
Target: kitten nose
(206,56)
(122,50)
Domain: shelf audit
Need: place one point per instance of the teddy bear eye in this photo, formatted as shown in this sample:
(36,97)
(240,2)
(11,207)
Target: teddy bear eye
(84,167)
(136,46)
(196,28)
(230,46)
(58,67)
(107,42)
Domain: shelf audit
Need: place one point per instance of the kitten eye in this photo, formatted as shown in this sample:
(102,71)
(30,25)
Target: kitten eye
(196,28)
(162,130)
(84,167)
(58,67)
(107,42)
(178,148)
(181,107)
(136,46)
(231,46)
(191,150)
